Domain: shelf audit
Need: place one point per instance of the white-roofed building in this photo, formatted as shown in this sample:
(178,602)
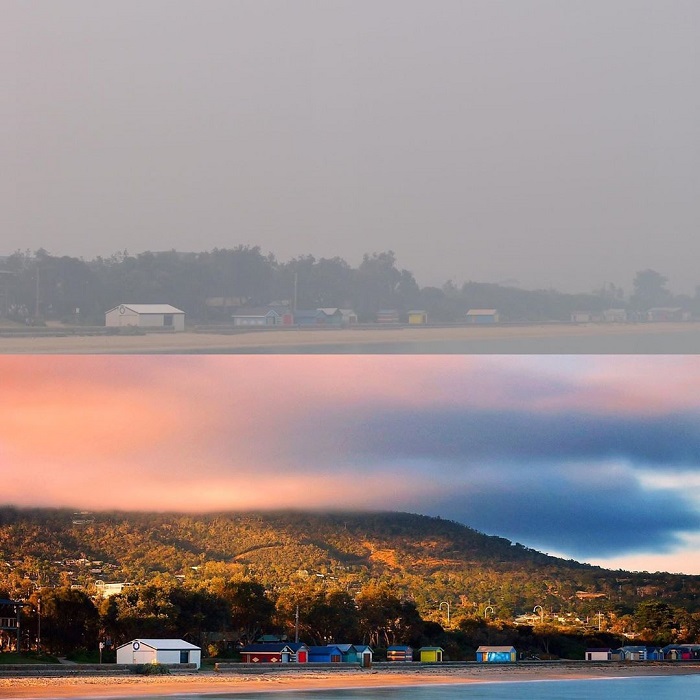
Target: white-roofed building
(146,316)
(159,651)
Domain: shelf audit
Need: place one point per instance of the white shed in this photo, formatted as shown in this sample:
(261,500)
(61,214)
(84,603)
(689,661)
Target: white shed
(146,316)
(159,651)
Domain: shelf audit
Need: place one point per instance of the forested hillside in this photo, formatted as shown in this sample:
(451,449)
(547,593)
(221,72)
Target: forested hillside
(420,558)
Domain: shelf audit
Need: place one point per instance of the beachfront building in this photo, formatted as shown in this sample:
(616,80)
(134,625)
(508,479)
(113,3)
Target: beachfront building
(399,653)
(328,654)
(496,654)
(482,316)
(417,318)
(318,317)
(146,316)
(667,314)
(356,654)
(159,651)
(331,316)
(430,655)
(681,652)
(263,317)
(599,654)
(275,652)
(615,315)
(349,317)
(639,653)
(387,316)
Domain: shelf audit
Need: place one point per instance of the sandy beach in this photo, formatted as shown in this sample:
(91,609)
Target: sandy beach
(210,682)
(682,336)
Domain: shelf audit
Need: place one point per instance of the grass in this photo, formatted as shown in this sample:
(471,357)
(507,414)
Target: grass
(11,657)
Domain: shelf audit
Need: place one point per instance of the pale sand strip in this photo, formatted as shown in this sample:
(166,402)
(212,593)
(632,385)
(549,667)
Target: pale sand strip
(252,340)
(233,683)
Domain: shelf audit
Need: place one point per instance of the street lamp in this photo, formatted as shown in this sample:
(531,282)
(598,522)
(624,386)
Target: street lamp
(486,610)
(444,602)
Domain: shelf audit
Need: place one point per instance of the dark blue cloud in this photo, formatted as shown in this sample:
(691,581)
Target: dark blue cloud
(485,436)
(551,511)
(569,481)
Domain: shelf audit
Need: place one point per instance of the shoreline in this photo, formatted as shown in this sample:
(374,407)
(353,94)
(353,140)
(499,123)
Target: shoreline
(233,683)
(358,339)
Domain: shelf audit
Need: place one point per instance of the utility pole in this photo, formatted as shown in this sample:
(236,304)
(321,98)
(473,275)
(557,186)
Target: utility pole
(36,300)
(296,626)
(38,626)
(296,281)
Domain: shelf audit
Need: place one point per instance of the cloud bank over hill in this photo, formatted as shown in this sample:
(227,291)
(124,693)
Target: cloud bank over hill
(592,457)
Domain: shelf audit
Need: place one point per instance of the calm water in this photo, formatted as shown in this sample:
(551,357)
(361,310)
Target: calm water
(655,688)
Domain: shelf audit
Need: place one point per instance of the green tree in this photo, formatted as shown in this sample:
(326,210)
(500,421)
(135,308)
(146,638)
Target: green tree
(650,290)
(251,610)
(69,621)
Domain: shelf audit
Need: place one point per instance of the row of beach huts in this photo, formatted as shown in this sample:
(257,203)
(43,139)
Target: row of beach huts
(169,317)
(178,651)
(671,652)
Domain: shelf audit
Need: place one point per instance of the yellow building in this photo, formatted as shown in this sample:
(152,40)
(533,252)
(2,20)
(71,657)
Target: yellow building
(417,318)
(431,655)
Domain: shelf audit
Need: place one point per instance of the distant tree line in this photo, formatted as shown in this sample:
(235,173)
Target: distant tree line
(209,285)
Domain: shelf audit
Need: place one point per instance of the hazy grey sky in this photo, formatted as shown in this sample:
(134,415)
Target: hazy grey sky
(550,141)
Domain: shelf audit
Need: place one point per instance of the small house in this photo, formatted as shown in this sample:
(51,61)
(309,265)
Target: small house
(598,654)
(417,318)
(430,655)
(349,317)
(681,652)
(309,317)
(146,316)
(329,654)
(387,316)
(159,651)
(615,315)
(640,653)
(356,653)
(331,317)
(275,652)
(496,654)
(666,314)
(399,653)
(482,316)
(246,318)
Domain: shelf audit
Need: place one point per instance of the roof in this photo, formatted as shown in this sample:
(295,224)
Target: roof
(431,649)
(490,648)
(272,647)
(481,312)
(150,308)
(162,644)
(266,311)
(326,649)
